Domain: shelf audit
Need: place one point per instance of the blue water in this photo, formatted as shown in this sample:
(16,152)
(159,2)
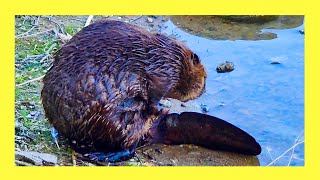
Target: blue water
(266,100)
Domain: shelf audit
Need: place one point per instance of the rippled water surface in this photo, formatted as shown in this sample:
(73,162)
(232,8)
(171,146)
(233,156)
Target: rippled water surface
(263,98)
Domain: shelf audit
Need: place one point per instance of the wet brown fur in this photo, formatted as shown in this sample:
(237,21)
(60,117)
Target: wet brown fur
(104,84)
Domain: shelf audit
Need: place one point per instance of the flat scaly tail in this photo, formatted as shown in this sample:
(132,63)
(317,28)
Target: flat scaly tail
(204,130)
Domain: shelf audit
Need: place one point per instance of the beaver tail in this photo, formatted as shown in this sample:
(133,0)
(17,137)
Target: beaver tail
(204,130)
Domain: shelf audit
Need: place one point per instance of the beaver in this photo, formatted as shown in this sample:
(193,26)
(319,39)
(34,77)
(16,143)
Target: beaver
(104,85)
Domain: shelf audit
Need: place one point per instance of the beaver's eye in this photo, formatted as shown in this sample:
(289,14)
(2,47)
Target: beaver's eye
(195,59)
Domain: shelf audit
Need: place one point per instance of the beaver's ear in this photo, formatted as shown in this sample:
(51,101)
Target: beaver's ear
(195,59)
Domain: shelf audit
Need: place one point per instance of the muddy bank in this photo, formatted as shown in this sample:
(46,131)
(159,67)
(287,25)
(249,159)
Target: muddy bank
(236,27)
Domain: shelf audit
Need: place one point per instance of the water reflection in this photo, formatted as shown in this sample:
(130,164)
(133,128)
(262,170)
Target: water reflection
(235,27)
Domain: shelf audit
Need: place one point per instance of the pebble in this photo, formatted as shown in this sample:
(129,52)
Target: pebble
(225,67)
(165,103)
(158,151)
(204,107)
(301,31)
(149,20)
(32,113)
(275,62)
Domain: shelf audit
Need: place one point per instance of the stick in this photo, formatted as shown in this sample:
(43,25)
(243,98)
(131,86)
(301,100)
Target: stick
(32,57)
(293,150)
(39,78)
(32,80)
(269,154)
(35,34)
(73,156)
(285,152)
(88,20)
(21,163)
(47,53)
(22,34)
(49,19)
(135,19)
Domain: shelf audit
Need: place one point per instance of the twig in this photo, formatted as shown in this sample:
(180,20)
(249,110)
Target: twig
(61,28)
(47,53)
(285,152)
(73,156)
(270,154)
(32,80)
(22,34)
(77,19)
(36,22)
(35,34)
(293,150)
(21,163)
(138,157)
(132,20)
(32,57)
(88,20)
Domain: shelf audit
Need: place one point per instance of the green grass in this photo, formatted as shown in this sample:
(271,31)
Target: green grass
(71,29)
(27,97)
(33,46)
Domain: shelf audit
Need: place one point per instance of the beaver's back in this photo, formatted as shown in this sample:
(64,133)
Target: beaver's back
(97,92)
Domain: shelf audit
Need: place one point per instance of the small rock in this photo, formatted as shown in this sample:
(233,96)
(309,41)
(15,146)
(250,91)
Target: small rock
(32,113)
(165,103)
(225,67)
(158,150)
(149,20)
(29,116)
(301,31)
(204,107)
(275,62)
(18,125)
(36,158)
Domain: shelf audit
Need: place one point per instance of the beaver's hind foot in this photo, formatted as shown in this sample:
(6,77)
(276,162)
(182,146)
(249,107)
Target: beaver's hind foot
(109,157)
